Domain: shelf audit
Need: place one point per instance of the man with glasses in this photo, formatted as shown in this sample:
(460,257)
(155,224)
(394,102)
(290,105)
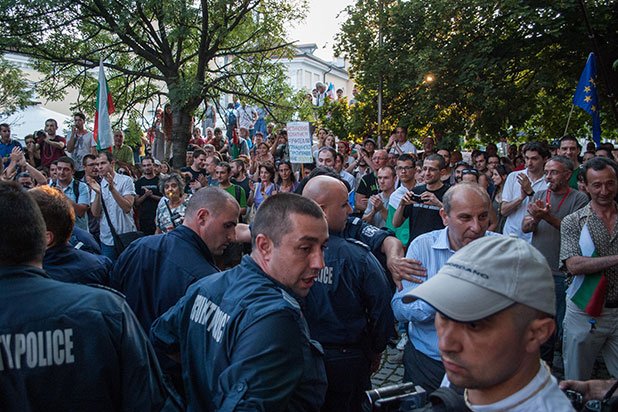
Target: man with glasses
(368,185)
(423,203)
(406,169)
(543,219)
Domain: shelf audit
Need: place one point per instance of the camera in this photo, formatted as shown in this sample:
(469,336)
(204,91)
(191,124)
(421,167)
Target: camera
(416,198)
(402,397)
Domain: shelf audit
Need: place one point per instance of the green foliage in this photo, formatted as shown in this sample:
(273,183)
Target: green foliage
(15,91)
(498,68)
(133,132)
(176,51)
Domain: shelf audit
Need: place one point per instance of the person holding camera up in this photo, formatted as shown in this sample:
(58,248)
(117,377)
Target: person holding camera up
(423,203)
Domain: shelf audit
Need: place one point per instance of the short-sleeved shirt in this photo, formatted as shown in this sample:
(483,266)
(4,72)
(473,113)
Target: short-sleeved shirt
(6,149)
(424,218)
(83,146)
(512,191)
(406,147)
(546,238)
(148,209)
(245,116)
(368,185)
(378,220)
(239,194)
(123,222)
(605,244)
(123,154)
(50,153)
(167,217)
(83,198)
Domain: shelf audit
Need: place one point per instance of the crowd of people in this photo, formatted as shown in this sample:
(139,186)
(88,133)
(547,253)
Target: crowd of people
(241,281)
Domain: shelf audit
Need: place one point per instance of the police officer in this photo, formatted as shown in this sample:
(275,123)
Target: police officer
(348,310)
(62,261)
(64,346)
(383,243)
(242,339)
(154,272)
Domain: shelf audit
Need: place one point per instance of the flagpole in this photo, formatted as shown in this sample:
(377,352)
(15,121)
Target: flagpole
(568,120)
(604,75)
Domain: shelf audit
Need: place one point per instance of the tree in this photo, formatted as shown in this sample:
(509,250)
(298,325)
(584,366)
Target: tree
(182,51)
(15,92)
(495,66)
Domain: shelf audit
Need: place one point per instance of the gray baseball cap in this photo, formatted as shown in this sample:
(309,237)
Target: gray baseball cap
(487,276)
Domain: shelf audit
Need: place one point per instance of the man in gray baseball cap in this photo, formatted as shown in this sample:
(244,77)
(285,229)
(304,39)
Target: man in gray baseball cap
(495,303)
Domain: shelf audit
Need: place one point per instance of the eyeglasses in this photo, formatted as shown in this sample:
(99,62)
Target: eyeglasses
(404,168)
(553,172)
(470,172)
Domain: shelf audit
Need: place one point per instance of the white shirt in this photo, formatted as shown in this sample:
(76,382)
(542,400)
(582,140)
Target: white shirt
(512,191)
(542,394)
(245,116)
(406,147)
(83,145)
(123,222)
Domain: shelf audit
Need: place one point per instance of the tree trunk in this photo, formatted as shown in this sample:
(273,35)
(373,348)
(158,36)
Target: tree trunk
(181,134)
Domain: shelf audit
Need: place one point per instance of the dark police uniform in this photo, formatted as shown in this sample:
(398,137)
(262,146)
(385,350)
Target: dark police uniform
(348,311)
(68,347)
(368,234)
(67,264)
(154,272)
(244,344)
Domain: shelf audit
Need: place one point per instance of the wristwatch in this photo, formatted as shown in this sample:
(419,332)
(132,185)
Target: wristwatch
(531,194)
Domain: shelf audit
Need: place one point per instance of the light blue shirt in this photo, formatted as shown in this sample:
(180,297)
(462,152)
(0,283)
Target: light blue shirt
(432,249)
(83,199)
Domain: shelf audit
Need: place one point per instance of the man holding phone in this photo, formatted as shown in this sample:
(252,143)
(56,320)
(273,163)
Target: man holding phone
(423,203)
(148,196)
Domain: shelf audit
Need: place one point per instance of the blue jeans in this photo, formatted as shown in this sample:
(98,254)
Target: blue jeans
(108,251)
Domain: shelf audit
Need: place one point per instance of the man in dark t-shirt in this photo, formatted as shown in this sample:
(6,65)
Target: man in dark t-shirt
(148,196)
(423,203)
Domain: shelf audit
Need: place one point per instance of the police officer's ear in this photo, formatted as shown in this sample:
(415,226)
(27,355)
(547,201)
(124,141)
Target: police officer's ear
(264,246)
(538,332)
(50,238)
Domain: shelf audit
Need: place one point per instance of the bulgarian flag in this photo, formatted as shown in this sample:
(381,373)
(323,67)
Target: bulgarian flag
(105,106)
(588,291)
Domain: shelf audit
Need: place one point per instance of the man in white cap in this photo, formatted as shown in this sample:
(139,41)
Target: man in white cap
(495,302)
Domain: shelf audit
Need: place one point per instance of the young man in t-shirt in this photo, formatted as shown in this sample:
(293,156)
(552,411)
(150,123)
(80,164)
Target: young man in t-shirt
(52,145)
(423,203)
(148,196)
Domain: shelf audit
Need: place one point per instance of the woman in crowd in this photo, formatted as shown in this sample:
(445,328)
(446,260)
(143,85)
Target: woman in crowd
(330,141)
(262,155)
(498,177)
(286,180)
(265,187)
(171,208)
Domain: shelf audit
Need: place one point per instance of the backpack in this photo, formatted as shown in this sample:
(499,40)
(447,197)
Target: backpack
(231,118)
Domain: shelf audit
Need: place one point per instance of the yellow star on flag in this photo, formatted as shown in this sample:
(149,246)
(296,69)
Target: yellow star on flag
(587,89)
(591,81)
(593,108)
(587,99)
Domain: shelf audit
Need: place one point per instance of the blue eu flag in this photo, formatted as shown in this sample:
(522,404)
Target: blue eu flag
(586,96)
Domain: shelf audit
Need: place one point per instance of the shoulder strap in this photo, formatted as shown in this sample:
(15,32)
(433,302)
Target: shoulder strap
(109,221)
(237,192)
(76,190)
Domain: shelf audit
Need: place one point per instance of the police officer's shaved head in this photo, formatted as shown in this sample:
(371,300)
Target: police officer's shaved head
(212,199)
(57,212)
(332,196)
(23,229)
(274,217)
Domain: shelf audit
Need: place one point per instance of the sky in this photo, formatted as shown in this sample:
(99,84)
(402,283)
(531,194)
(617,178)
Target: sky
(321,25)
